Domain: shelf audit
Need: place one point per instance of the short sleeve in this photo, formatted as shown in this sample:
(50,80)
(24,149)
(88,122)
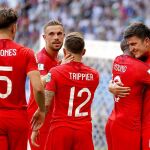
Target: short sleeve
(42,65)
(50,81)
(31,61)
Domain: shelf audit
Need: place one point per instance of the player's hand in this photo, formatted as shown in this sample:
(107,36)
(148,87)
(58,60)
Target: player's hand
(34,137)
(37,119)
(68,58)
(118,89)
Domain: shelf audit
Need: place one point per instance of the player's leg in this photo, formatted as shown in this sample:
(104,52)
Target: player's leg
(3,142)
(18,130)
(60,138)
(3,131)
(108,135)
(124,139)
(146,139)
(83,140)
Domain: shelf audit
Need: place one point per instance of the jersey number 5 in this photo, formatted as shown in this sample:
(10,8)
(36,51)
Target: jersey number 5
(9,83)
(79,94)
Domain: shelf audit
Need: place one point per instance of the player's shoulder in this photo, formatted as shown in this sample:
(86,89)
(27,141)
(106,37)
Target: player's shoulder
(90,69)
(16,45)
(23,49)
(40,52)
(43,57)
(92,72)
(128,62)
(127,58)
(123,57)
(58,67)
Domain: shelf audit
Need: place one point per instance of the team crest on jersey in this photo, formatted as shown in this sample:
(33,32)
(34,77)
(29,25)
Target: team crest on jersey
(148,71)
(41,66)
(48,77)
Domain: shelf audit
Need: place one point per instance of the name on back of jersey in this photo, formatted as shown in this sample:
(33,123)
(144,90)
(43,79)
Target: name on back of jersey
(120,68)
(81,76)
(8,52)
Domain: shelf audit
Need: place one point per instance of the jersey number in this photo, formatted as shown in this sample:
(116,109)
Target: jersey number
(79,94)
(9,83)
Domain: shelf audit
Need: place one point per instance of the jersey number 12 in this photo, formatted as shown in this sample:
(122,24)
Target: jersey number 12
(79,94)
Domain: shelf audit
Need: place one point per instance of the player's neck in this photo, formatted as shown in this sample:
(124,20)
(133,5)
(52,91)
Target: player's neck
(5,36)
(126,52)
(76,58)
(147,54)
(52,53)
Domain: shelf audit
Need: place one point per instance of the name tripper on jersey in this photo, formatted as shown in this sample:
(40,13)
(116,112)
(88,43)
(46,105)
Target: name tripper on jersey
(8,52)
(81,76)
(120,68)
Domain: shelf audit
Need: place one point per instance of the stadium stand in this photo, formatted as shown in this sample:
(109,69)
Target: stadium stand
(97,19)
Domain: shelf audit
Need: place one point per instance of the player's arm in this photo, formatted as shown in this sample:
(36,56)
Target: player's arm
(48,98)
(34,136)
(38,90)
(44,79)
(117,89)
(43,75)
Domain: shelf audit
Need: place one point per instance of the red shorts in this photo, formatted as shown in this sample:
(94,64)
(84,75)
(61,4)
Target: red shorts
(66,138)
(146,139)
(120,138)
(43,134)
(14,128)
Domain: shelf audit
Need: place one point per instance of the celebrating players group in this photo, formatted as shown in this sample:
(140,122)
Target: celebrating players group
(58,115)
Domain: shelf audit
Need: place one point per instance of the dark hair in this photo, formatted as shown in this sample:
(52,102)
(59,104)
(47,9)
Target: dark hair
(53,23)
(74,42)
(123,45)
(137,29)
(8,17)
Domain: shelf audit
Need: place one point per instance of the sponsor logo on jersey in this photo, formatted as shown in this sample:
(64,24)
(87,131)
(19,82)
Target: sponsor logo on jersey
(41,66)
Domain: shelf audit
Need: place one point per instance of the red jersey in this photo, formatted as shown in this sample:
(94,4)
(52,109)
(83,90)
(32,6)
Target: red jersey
(146,105)
(74,85)
(135,74)
(15,62)
(45,63)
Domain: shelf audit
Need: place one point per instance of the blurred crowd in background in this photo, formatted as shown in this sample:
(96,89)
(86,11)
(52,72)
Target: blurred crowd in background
(97,19)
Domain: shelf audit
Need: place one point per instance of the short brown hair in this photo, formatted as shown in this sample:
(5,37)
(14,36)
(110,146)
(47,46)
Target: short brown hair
(53,23)
(8,16)
(74,42)
(137,29)
(123,45)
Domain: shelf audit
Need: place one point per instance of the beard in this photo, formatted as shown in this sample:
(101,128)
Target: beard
(56,48)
